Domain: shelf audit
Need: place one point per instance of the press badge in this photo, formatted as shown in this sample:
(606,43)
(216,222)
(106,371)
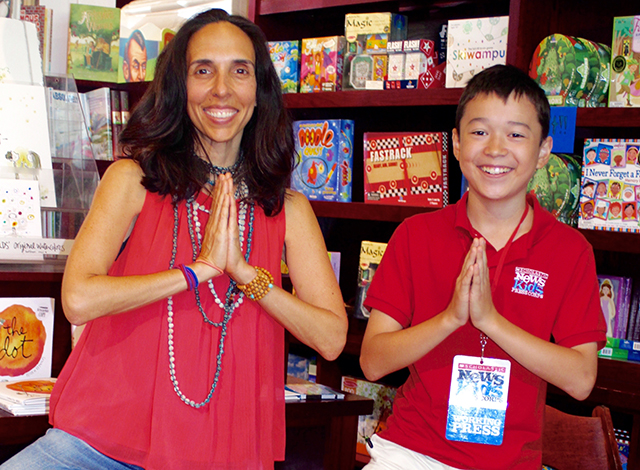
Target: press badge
(478,400)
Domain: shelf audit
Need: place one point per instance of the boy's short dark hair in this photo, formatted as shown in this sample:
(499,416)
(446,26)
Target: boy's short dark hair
(503,81)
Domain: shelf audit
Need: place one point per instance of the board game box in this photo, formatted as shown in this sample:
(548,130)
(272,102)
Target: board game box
(321,64)
(324,159)
(625,62)
(285,56)
(406,168)
(473,45)
(610,185)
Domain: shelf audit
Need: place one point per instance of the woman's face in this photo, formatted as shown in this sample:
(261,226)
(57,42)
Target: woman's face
(221,85)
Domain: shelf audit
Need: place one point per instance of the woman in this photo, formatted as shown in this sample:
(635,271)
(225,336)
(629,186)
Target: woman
(177,368)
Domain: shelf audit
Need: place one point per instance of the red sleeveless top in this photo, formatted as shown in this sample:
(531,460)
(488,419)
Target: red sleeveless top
(115,391)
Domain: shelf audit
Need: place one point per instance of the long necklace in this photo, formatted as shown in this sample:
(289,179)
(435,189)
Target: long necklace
(229,305)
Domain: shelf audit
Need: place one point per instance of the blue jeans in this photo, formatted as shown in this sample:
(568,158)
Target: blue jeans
(57,450)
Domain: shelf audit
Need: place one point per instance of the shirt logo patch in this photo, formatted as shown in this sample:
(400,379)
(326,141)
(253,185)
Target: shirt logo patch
(529,282)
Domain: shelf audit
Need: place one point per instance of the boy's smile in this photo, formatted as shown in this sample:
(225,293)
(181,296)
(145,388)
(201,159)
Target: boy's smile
(499,146)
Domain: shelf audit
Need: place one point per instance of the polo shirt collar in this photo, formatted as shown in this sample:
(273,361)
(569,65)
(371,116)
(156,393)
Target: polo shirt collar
(542,223)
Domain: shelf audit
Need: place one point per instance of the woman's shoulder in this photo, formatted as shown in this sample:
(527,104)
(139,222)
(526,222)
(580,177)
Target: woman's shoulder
(123,177)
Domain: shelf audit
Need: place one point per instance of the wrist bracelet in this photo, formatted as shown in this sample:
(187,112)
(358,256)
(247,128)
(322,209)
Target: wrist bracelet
(259,286)
(190,275)
(211,265)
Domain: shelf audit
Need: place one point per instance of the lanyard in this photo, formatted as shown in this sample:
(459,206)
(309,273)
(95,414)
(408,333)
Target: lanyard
(496,277)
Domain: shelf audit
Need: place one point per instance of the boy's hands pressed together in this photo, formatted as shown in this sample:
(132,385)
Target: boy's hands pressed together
(481,309)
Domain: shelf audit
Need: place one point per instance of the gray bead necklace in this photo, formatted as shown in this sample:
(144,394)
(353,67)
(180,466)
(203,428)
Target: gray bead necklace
(229,305)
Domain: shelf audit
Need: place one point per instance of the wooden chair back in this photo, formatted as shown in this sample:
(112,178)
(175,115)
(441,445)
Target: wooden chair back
(571,442)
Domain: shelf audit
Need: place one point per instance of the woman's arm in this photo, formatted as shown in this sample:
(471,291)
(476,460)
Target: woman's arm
(316,315)
(87,291)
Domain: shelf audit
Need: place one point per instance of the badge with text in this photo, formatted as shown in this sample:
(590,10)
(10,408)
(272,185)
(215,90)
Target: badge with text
(478,400)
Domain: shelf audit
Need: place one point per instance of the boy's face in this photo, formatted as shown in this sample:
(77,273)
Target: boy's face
(499,146)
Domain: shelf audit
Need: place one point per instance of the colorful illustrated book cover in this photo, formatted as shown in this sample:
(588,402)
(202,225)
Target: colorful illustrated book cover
(285,56)
(382,395)
(321,64)
(94,33)
(406,168)
(35,14)
(624,90)
(474,45)
(615,299)
(24,141)
(97,106)
(610,185)
(370,256)
(324,159)
(26,335)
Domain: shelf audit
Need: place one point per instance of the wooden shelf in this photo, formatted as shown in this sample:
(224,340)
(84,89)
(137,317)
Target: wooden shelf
(269,7)
(374,98)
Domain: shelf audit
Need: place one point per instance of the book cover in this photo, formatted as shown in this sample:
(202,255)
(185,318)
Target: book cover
(382,395)
(93,47)
(473,45)
(97,106)
(406,168)
(26,335)
(324,159)
(624,89)
(20,60)
(67,126)
(370,256)
(116,120)
(26,397)
(302,367)
(614,301)
(311,391)
(634,306)
(20,214)
(36,14)
(610,185)
(285,56)
(25,146)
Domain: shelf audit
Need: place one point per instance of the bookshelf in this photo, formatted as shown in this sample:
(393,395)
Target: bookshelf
(345,225)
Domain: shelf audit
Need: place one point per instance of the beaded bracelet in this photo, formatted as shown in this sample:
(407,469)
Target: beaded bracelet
(259,286)
(190,275)
(211,265)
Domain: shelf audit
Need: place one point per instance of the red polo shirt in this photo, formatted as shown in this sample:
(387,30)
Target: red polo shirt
(547,286)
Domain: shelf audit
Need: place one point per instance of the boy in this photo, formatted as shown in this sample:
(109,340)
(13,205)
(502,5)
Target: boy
(469,297)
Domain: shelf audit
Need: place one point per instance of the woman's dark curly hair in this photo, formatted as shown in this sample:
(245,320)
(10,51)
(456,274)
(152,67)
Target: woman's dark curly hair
(162,139)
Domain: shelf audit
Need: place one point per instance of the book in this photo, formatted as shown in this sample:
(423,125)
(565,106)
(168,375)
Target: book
(615,295)
(302,367)
(610,185)
(26,336)
(406,168)
(382,395)
(473,45)
(36,14)
(285,56)
(310,391)
(20,60)
(116,120)
(625,48)
(94,32)
(25,146)
(324,159)
(97,108)
(124,107)
(20,214)
(26,397)
(370,256)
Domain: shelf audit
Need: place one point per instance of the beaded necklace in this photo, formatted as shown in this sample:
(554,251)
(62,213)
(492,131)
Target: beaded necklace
(229,305)
(221,170)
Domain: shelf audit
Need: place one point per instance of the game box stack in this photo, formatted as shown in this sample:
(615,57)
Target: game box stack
(610,185)
(406,168)
(324,159)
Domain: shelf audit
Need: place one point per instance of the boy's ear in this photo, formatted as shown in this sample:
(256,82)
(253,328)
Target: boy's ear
(544,152)
(455,139)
